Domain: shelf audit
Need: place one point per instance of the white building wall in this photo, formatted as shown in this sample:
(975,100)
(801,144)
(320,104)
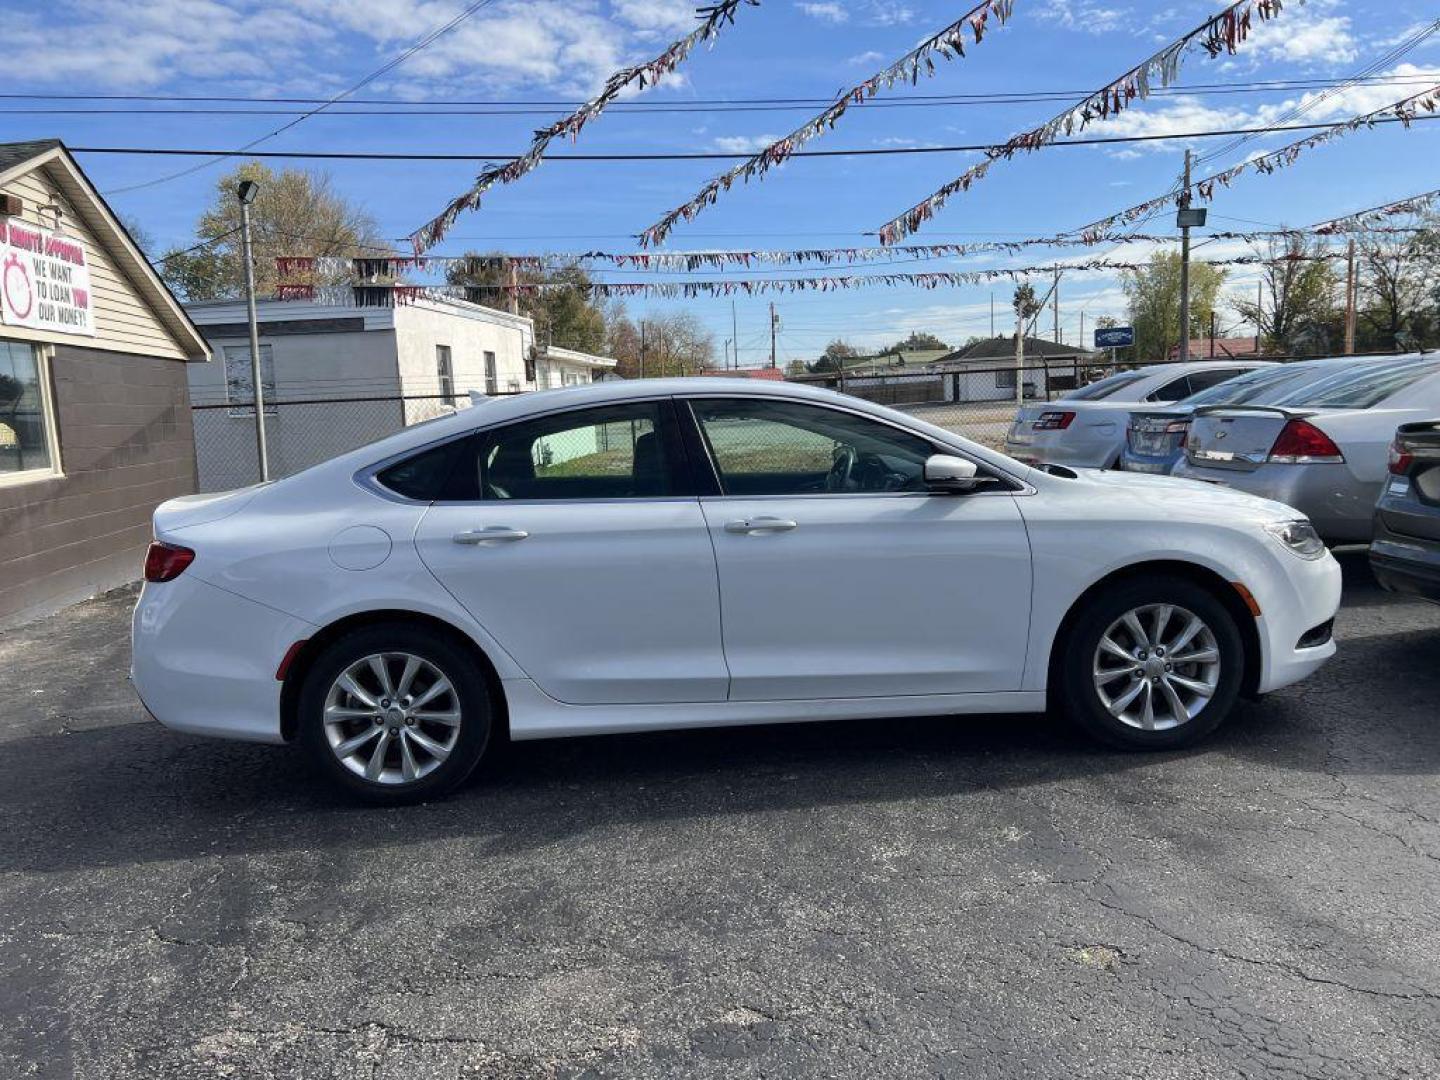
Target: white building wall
(469,332)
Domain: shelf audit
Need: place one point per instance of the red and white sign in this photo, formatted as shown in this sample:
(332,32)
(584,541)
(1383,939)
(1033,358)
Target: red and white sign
(44,280)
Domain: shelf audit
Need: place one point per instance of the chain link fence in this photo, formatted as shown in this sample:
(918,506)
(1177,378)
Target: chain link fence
(301,432)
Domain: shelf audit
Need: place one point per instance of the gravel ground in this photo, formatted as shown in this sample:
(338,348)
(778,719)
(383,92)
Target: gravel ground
(973,898)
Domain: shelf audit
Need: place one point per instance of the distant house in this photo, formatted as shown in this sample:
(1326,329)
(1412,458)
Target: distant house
(94,418)
(766,373)
(337,376)
(1232,348)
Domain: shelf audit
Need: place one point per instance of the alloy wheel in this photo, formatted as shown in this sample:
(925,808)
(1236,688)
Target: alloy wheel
(1157,667)
(392,718)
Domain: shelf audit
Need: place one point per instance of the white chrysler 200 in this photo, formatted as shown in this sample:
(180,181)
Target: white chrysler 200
(665,554)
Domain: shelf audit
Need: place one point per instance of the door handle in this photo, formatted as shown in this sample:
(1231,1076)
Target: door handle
(750,526)
(490,534)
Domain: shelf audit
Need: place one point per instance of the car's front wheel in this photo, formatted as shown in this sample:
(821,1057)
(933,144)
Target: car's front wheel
(394,713)
(1153,664)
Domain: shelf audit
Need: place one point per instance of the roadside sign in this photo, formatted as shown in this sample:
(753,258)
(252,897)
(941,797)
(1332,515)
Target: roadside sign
(1114,337)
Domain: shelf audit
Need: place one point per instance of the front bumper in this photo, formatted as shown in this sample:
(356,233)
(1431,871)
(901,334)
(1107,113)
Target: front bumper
(1293,604)
(1340,507)
(203,659)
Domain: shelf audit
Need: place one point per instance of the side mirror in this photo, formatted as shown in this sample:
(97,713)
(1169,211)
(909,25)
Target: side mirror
(944,472)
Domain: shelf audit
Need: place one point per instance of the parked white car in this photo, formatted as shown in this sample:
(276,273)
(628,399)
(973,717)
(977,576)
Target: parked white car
(637,556)
(1323,449)
(1086,428)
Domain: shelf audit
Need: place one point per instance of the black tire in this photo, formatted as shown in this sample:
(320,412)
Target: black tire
(1079,697)
(455,663)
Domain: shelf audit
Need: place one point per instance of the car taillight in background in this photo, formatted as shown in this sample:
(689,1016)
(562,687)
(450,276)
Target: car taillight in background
(1053,421)
(166,562)
(1400,459)
(1181,428)
(1302,443)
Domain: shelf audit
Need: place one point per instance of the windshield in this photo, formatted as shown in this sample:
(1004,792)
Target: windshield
(1105,387)
(1242,388)
(1362,388)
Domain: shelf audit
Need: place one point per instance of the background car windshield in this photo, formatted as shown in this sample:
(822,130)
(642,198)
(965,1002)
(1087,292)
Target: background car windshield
(1363,388)
(1243,388)
(1106,386)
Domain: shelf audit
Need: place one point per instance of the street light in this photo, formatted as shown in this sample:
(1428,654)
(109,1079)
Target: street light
(245,194)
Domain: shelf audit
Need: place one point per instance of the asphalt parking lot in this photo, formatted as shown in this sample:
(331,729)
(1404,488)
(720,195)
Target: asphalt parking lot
(970,898)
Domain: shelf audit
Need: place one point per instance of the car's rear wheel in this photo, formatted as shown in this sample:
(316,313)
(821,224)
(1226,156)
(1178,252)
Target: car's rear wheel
(394,713)
(1153,664)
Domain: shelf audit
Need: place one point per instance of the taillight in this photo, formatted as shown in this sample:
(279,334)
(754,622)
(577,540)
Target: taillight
(1181,428)
(1053,421)
(166,562)
(1400,459)
(1302,443)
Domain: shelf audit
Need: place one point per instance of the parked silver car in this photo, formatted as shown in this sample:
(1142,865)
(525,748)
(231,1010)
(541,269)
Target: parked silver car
(1086,428)
(1323,449)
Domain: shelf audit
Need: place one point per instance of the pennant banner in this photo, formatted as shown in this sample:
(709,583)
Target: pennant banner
(712,20)
(382,270)
(947,43)
(1223,33)
(1366,220)
(1405,111)
(376,295)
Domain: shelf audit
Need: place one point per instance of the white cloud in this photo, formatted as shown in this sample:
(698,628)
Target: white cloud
(1302,36)
(866,58)
(825,11)
(1084,16)
(889,13)
(743,144)
(657,17)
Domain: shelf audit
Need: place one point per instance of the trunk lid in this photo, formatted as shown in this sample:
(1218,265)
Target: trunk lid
(1410,504)
(190,510)
(1235,437)
(1150,432)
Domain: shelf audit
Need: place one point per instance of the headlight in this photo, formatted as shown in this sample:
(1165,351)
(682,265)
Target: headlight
(1299,536)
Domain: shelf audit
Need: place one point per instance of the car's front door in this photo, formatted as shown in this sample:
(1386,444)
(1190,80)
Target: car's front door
(574,544)
(840,574)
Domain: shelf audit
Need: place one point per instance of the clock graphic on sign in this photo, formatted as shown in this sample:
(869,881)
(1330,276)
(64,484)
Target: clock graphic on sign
(15,280)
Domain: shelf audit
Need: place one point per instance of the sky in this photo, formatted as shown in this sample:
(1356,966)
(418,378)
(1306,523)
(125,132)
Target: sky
(554,51)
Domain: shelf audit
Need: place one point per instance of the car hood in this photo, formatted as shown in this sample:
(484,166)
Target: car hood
(190,510)
(1174,497)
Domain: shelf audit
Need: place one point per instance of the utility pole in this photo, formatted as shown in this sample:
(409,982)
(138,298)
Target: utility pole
(1185,264)
(1019,356)
(1212,334)
(1082,330)
(1351,289)
(1056,293)
(246,193)
(642,348)
(735,333)
(992,314)
(774,325)
(1259,312)
(512,303)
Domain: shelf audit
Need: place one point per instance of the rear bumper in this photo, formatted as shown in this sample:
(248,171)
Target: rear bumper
(1340,507)
(1406,565)
(203,660)
(1092,447)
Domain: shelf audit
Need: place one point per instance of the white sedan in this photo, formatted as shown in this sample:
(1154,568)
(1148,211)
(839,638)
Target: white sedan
(636,556)
(1086,428)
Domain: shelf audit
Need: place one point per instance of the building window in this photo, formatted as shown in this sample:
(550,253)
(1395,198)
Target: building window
(239,388)
(26,425)
(445,371)
(492,380)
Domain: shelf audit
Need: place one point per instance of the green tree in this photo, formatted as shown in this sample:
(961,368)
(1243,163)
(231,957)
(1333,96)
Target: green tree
(1024,302)
(916,341)
(836,355)
(564,313)
(1297,303)
(1154,296)
(295,213)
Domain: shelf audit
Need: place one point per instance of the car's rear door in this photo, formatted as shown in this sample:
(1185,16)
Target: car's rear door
(858,586)
(574,540)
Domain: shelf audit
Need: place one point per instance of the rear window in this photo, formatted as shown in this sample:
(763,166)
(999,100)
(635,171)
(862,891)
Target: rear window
(1106,386)
(1243,388)
(1362,389)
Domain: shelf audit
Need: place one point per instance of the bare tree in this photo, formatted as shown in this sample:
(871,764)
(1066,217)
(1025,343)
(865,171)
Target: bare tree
(1298,289)
(1398,289)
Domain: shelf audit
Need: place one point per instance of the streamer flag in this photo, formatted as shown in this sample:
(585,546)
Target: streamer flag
(1367,219)
(947,43)
(387,295)
(712,20)
(1405,110)
(1222,33)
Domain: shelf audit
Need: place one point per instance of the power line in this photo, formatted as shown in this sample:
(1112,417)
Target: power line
(425,42)
(881,151)
(725,104)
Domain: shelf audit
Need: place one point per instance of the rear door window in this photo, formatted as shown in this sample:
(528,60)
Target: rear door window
(1363,389)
